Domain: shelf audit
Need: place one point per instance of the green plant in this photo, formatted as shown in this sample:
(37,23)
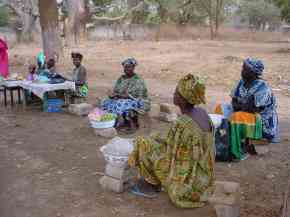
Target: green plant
(4,16)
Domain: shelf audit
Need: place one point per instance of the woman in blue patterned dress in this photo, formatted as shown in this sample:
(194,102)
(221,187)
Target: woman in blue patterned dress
(254,95)
(129,97)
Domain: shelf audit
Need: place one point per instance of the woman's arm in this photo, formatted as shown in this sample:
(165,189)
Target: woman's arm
(251,107)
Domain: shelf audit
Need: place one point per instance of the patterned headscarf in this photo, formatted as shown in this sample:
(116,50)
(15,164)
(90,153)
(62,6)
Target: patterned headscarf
(130,62)
(192,89)
(255,65)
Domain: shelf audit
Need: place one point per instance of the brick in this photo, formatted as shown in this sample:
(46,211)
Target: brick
(227,211)
(262,150)
(167,108)
(117,172)
(106,133)
(109,183)
(80,109)
(226,193)
(167,117)
(154,110)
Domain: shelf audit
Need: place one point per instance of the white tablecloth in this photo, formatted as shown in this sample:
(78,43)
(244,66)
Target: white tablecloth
(39,89)
(11,83)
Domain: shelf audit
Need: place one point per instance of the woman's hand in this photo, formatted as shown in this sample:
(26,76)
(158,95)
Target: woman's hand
(236,105)
(111,94)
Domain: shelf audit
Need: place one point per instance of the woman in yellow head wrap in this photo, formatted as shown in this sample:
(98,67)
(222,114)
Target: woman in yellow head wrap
(182,163)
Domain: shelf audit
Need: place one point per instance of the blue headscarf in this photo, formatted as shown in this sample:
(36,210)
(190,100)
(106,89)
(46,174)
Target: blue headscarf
(255,65)
(130,62)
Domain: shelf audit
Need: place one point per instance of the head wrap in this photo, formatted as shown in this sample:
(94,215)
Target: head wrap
(255,65)
(130,62)
(77,55)
(192,89)
(41,59)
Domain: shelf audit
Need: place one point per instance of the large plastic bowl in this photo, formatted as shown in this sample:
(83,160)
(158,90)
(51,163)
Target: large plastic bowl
(102,124)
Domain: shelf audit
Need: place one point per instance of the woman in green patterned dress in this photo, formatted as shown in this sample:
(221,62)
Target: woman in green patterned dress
(129,97)
(183,162)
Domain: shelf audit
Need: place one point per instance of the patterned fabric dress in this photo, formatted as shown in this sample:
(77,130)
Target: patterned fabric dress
(80,77)
(138,97)
(265,100)
(243,126)
(183,162)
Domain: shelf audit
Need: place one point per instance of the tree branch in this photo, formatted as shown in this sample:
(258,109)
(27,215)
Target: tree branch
(122,17)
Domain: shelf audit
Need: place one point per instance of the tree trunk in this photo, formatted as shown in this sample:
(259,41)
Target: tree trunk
(211,26)
(78,12)
(50,32)
(27,14)
(218,14)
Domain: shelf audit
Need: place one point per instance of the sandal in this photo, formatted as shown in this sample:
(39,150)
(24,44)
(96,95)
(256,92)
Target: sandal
(144,189)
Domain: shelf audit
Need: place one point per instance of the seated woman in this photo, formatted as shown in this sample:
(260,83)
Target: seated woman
(79,76)
(254,105)
(129,97)
(183,162)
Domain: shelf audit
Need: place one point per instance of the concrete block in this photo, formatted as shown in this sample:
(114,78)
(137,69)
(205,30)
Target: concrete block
(168,117)
(109,183)
(167,108)
(117,172)
(262,150)
(227,211)
(154,110)
(80,109)
(106,133)
(226,193)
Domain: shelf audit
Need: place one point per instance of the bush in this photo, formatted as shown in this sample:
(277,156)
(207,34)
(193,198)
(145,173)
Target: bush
(4,17)
(153,19)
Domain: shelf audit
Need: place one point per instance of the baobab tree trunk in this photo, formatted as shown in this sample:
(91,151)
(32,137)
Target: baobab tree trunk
(78,13)
(27,14)
(52,45)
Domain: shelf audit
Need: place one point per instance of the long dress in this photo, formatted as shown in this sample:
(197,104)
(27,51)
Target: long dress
(265,100)
(183,162)
(138,97)
(3,59)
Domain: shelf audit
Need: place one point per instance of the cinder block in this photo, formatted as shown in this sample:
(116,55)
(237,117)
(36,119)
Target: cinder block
(167,108)
(80,109)
(226,193)
(154,110)
(262,150)
(117,172)
(109,183)
(168,117)
(226,199)
(227,211)
(106,133)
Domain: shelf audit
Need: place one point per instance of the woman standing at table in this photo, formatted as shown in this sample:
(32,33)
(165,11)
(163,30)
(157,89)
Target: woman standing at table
(3,59)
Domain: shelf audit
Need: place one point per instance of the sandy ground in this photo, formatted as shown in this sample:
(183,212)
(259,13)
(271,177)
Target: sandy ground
(48,162)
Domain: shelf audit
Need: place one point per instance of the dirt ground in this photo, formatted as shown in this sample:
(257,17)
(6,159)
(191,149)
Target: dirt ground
(49,163)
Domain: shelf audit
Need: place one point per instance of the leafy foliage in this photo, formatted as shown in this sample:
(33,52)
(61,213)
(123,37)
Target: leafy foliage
(259,13)
(4,16)
(284,5)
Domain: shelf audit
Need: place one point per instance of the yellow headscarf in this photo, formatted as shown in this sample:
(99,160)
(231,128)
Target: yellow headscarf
(192,89)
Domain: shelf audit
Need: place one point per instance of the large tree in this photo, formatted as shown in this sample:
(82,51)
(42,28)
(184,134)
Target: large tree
(284,5)
(260,13)
(26,13)
(76,17)
(50,30)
